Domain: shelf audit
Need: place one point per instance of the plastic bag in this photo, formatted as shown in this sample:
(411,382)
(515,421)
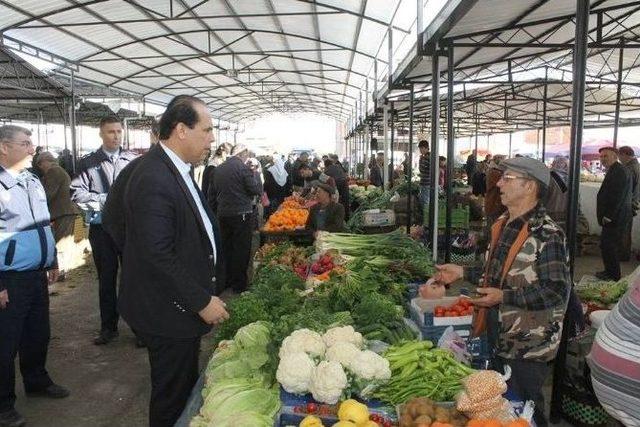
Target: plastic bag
(450,340)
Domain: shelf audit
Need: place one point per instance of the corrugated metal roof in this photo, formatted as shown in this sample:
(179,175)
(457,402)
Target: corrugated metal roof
(306,55)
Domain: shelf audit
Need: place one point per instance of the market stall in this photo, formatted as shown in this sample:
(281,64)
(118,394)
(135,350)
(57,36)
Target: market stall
(327,336)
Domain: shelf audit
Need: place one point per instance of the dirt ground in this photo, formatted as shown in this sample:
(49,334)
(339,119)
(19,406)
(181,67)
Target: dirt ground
(109,384)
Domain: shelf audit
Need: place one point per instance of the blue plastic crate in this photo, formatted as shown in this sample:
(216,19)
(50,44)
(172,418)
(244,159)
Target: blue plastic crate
(291,400)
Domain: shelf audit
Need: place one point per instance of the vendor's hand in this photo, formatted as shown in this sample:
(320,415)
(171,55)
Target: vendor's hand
(4,299)
(53,275)
(448,273)
(492,296)
(214,313)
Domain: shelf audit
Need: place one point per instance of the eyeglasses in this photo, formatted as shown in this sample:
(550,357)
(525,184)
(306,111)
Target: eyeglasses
(23,144)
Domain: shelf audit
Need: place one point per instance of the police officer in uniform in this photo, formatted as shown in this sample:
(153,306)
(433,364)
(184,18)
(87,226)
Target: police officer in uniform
(96,173)
(27,265)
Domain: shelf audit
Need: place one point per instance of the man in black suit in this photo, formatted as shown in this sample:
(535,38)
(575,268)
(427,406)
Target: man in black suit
(613,211)
(171,258)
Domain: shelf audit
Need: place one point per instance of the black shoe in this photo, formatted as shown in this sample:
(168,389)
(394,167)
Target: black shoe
(54,391)
(11,419)
(140,343)
(105,337)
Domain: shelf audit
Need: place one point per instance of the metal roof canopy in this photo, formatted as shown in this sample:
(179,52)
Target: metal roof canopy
(522,44)
(245,59)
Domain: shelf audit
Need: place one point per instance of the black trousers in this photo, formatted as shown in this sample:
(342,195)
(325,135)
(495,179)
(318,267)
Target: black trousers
(235,234)
(174,372)
(107,258)
(24,331)
(610,239)
(527,379)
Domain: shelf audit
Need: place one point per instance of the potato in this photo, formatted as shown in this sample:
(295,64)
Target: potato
(442,414)
(406,420)
(423,419)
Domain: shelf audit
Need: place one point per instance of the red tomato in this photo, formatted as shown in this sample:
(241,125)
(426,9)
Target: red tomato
(439,314)
(387,423)
(375,418)
(311,408)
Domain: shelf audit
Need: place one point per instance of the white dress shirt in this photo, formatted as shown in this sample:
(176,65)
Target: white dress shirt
(184,169)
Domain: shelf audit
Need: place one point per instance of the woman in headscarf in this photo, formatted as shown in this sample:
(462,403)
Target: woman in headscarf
(276,185)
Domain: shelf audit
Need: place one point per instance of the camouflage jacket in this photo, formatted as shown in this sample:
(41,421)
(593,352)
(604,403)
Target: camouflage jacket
(535,289)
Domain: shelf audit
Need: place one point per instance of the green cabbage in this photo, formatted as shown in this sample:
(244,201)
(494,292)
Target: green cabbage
(254,336)
(227,403)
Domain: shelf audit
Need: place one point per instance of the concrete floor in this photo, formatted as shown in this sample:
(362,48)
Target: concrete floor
(109,384)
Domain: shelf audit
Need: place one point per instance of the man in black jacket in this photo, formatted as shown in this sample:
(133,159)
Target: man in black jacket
(231,196)
(613,211)
(96,174)
(171,258)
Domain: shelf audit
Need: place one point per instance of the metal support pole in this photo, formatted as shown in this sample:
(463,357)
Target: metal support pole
(475,113)
(420,24)
(510,135)
(72,124)
(390,58)
(575,156)
(544,115)
(410,193)
(64,122)
(392,129)
(385,130)
(434,158)
(616,123)
(450,153)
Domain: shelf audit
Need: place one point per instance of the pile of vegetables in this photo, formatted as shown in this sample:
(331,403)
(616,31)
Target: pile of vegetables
(238,382)
(462,307)
(423,412)
(282,254)
(331,366)
(287,219)
(408,259)
(351,413)
(418,370)
(602,292)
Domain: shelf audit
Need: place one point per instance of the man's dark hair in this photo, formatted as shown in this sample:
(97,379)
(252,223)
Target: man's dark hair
(108,120)
(181,109)
(615,150)
(423,143)
(442,158)
(626,150)
(304,166)
(328,162)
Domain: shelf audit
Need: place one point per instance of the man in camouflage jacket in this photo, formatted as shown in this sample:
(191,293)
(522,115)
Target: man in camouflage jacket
(526,308)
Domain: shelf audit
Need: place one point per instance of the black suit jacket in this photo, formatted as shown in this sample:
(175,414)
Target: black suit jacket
(614,196)
(168,272)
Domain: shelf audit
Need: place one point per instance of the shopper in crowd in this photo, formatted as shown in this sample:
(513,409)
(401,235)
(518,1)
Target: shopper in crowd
(628,159)
(215,159)
(96,173)
(297,180)
(442,171)
(613,211)
(424,167)
(334,169)
(172,258)
(66,161)
(233,191)
(557,202)
(276,185)
(307,175)
(326,215)
(479,182)
(34,162)
(493,206)
(525,282)
(29,265)
(375,171)
(63,212)
(470,166)
(615,360)
(113,210)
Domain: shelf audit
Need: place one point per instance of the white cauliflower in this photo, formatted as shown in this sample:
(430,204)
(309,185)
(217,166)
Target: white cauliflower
(343,352)
(327,382)
(303,340)
(370,366)
(294,372)
(343,334)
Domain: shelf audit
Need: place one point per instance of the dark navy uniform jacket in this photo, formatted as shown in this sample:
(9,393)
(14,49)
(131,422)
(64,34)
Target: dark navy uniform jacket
(96,174)
(26,239)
